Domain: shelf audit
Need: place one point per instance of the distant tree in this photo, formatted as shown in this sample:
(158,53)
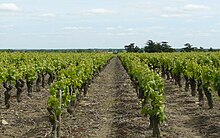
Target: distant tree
(166,47)
(152,46)
(136,49)
(195,49)
(201,49)
(141,50)
(9,50)
(132,48)
(188,47)
(211,49)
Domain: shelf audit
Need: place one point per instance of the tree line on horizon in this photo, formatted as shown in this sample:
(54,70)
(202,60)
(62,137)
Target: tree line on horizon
(151,47)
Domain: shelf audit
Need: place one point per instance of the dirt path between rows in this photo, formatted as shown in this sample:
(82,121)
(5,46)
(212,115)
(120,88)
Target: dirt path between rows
(111,108)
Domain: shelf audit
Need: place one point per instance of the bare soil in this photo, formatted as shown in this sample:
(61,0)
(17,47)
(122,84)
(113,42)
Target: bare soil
(110,109)
(186,119)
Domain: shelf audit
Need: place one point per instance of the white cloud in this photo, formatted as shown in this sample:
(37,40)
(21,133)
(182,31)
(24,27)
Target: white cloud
(124,34)
(9,7)
(158,27)
(184,11)
(179,0)
(3,33)
(131,29)
(114,28)
(110,28)
(193,7)
(27,34)
(76,28)
(170,12)
(118,34)
(174,15)
(214,30)
(100,12)
(6,26)
(48,15)
(188,34)
(198,34)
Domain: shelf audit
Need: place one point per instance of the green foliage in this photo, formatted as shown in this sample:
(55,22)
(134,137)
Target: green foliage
(150,82)
(74,75)
(216,78)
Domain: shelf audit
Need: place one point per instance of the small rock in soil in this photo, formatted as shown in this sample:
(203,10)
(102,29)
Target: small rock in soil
(4,122)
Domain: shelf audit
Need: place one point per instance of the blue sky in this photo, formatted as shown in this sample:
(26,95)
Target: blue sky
(59,24)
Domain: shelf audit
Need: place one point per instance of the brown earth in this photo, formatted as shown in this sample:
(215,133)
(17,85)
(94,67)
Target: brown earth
(186,119)
(110,109)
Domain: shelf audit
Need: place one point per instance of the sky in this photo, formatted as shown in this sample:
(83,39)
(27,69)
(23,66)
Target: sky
(74,24)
